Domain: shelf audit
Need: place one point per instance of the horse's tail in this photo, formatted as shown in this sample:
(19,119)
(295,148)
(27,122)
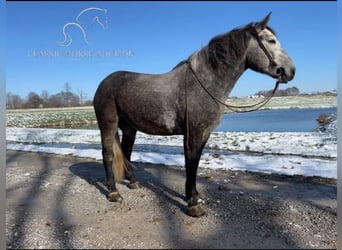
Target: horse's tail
(120,162)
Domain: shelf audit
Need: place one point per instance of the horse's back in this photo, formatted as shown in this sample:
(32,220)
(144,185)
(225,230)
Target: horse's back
(109,87)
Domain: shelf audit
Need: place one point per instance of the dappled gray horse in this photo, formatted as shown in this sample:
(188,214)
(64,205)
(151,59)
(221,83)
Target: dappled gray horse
(185,101)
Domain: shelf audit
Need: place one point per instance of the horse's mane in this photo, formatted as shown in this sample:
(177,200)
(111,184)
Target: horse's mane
(226,49)
(179,64)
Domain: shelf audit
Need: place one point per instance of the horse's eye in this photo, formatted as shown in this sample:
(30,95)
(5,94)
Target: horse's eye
(272,41)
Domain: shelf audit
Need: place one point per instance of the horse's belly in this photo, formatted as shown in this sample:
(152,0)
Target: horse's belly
(157,123)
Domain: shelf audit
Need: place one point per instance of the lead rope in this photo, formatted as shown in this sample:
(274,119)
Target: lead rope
(257,105)
(186,117)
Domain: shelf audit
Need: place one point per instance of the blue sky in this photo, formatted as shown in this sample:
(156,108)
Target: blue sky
(153,37)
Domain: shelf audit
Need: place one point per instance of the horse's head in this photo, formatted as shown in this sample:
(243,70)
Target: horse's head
(265,54)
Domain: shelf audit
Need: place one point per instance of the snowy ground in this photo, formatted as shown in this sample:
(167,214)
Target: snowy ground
(309,154)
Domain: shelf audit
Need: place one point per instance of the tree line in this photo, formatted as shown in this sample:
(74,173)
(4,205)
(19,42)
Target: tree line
(65,98)
(292,91)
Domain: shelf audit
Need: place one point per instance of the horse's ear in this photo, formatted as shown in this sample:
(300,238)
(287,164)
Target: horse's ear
(263,23)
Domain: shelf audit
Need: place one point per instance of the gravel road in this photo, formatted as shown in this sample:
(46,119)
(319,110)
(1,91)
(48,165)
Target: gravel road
(58,201)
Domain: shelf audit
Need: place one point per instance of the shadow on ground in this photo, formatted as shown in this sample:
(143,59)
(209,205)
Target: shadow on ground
(247,215)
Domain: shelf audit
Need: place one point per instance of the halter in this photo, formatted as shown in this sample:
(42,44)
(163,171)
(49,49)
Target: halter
(254,32)
(255,106)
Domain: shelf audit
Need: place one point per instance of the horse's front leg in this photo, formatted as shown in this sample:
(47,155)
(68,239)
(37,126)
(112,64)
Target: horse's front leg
(193,147)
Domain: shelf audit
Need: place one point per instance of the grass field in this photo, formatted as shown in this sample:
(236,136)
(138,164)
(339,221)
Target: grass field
(81,116)
(51,117)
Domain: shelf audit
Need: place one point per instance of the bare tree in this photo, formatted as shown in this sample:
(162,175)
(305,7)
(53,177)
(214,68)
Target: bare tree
(44,96)
(64,98)
(14,101)
(67,87)
(82,95)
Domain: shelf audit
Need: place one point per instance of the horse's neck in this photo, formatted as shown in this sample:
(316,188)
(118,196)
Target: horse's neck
(219,84)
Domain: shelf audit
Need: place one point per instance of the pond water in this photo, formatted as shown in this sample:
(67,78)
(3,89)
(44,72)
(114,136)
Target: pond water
(280,120)
(276,120)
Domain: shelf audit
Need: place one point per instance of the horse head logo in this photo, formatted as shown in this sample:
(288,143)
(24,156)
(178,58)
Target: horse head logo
(95,14)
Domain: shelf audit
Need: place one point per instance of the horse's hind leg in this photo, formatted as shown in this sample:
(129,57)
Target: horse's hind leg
(108,121)
(127,142)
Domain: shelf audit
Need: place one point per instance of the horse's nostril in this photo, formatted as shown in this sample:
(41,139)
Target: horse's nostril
(280,71)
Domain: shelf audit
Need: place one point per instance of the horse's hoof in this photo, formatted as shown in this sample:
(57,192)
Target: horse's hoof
(115,197)
(134,185)
(195,211)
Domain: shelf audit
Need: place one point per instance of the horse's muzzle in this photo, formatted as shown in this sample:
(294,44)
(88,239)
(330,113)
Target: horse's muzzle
(284,76)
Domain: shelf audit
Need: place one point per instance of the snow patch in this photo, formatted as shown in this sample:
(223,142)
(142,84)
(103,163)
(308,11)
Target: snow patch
(309,154)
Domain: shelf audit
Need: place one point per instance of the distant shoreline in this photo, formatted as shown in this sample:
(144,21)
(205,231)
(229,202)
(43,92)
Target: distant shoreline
(288,102)
(278,102)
